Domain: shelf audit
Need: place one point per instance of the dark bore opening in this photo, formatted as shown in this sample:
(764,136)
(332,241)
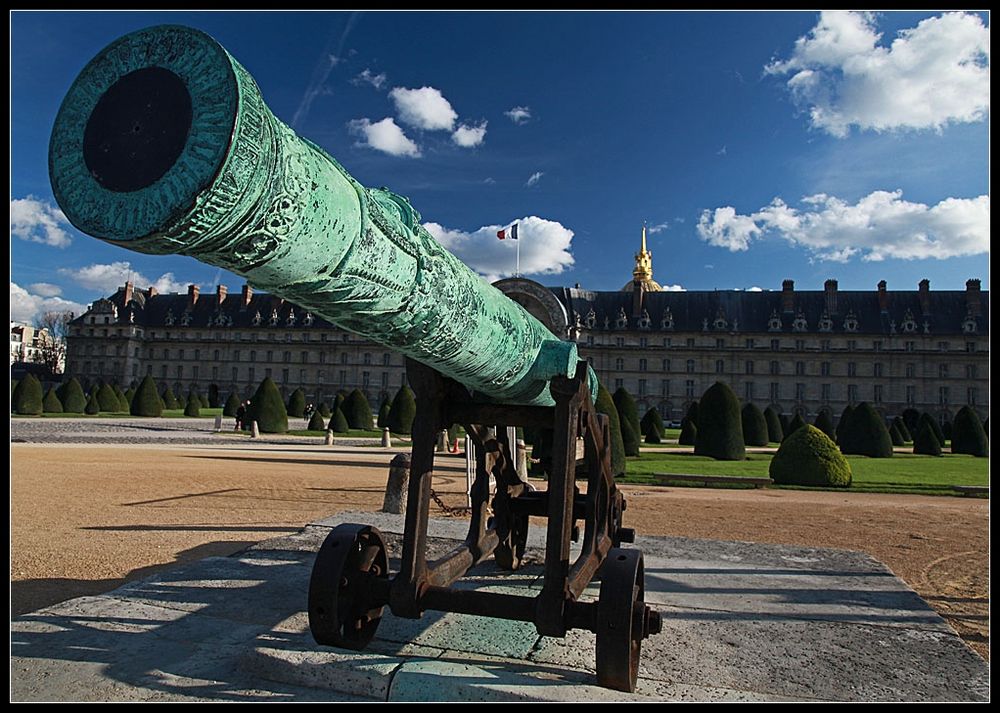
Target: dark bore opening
(138,129)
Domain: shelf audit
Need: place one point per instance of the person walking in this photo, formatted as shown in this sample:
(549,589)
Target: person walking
(241,414)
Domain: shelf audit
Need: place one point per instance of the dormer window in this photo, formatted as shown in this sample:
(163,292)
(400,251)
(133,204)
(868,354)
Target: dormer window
(851,322)
(622,321)
(800,324)
(668,320)
(825,323)
(256,319)
(774,323)
(644,320)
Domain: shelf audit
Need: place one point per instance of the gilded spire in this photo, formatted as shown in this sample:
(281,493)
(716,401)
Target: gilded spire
(643,272)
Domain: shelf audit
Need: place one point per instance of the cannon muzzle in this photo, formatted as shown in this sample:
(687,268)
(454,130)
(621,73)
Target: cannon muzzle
(164,145)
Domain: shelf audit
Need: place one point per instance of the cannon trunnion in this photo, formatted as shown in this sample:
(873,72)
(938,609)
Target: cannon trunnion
(163,145)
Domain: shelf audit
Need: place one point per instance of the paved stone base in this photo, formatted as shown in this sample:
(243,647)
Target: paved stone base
(742,621)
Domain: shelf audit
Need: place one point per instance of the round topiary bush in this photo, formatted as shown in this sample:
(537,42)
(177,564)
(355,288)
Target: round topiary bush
(825,424)
(895,435)
(338,423)
(627,410)
(630,441)
(401,413)
(688,434)
(865,434)
(720,426)
(268,409)
(72,397)
(146,402)
(27,397)
(358,411)
(93,407)
(51,402)
(297,404)
(316,422)
(795,424)
(904,432)
(193,406)
(383,414)
(925,443)
(754,426)
(651,419)
(968,435)
(606,405)
(232,403)
(169,400)
(808,457)
(845,418)
(775,434)
(108,399)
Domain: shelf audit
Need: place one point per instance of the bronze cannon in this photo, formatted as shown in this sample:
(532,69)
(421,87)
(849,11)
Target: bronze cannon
(164,145)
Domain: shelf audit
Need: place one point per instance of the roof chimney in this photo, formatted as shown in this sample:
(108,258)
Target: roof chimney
(973,298)
(129,287)
(883,296)
(151,292)
(925,296)
(246,294)
(788,296)
(192,295)
(220,293)
(830,293)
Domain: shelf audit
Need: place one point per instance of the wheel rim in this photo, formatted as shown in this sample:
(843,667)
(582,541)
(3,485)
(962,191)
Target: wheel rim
(620,611)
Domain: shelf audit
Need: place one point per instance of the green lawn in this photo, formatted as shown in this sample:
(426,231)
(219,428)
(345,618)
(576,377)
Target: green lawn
(903,473)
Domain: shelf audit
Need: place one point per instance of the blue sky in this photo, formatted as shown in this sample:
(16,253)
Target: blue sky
(757,146)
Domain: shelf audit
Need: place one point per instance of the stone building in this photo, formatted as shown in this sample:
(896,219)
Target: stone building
(798,351)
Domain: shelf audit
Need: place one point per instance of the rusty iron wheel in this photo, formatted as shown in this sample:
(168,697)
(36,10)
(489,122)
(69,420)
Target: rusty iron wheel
(620,611)
(342,607)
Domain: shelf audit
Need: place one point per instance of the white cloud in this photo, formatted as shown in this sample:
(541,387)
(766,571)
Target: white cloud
(519,114)
(755,289)
(469,136)
(673,288)
(424,108)
(384,136)
(107,278)
(368,77)
(879,226)
(534,178)
(658,228)
(27,306)
(545,247)
(45,289)
(931,75)
(38,222)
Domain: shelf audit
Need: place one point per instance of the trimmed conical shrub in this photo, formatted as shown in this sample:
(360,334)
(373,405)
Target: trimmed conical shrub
(268,409)
(692,413)
(630,441)
(204,401)
(720,426)
(401,413)
(845,418)
(338,401)
(653,436)
(795,424)
(934,425)
(968,435)
(865,434)
(904,432)
(232,403)
(72,397)
(169,400)
(27,397)
(146,402)
(775,434)
(193,406)
(627,410)
(754,426)
(911,417)
(785,422)
(316,422)
(651,419)
(808,457)
(383,414)
(338,423)
(925,443)
(946,429)
(51,403)
(688,434)
(122,399)
(213,396)
(358,411)
(93,406)
(895,435)
(129,395)
(325,412)
(297,404)
(825,424)
(606,405)
(108,399)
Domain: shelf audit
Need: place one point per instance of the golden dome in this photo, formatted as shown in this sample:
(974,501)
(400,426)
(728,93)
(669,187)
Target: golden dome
(643,272)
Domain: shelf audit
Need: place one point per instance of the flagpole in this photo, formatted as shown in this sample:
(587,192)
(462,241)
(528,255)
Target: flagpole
(517,269)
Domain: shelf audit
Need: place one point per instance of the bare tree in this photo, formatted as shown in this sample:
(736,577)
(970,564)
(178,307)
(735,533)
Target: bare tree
(50,340)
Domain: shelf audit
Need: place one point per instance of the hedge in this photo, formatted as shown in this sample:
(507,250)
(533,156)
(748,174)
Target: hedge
(358,412)
(146,402)
(720,426)
(754,426)
(606,405)
(968,435)
(401,413)
(27,397)
(865,434)
(775,434)
(809,457)
(925,443)
(51,403)
(626,407)
(268,409)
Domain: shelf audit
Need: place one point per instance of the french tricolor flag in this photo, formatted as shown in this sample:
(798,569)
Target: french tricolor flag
(510,232)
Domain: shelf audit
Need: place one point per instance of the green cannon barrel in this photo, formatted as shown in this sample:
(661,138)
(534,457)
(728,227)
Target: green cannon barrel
(164,145)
